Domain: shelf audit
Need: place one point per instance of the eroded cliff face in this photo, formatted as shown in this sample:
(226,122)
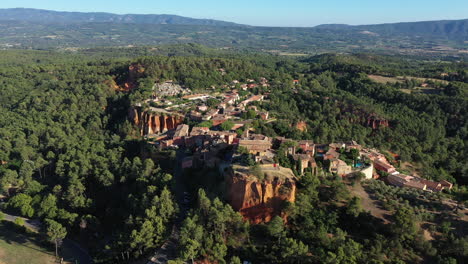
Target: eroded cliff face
(259,201)
(301,126)
(360,116)
(135,71)
(153,123)
(376,122)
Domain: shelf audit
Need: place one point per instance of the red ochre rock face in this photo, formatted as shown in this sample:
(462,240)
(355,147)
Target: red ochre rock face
(376,123)
(259,201)
(135,71)
(154,123)
(358,115)
(302,126)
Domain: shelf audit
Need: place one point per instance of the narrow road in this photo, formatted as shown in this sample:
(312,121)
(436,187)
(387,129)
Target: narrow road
(168,250)
(79,253)
(34,225)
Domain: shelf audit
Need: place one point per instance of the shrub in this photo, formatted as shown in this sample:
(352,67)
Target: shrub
(19,221)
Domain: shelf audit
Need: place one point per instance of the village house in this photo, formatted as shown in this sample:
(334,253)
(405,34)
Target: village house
(331,154)
(321,149)
(233,111)
(306,161)
(202,108)
(224,136)
(210,114)
(254,98)
(256,144)
(267,158)
(180,133)
(368,171)
(231,97)
(192,97)
(402,180)
(383,165)
(307,146)
(352,145)
(195,116)
(219,119)
(380,161)
(196,137)
(340,167)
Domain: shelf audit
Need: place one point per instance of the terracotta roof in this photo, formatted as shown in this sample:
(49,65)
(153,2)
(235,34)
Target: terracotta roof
(181,131)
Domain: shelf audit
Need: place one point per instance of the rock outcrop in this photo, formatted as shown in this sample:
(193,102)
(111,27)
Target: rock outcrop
(376,122)
(301,126)
(154,121)
(259,200)
(358,115)
(135,71)
(169,89)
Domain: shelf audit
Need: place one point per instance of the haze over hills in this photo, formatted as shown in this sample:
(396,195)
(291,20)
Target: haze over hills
(39,29)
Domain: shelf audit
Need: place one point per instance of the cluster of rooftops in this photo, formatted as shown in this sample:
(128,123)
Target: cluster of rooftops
(213,147)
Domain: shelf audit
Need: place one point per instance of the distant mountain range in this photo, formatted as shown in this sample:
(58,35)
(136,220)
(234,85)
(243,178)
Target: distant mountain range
(43,29)
(457,29)
(47,16)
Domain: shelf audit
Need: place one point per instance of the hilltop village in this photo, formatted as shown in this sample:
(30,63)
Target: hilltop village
(215,128)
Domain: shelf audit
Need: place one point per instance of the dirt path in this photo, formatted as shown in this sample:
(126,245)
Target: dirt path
(368,204)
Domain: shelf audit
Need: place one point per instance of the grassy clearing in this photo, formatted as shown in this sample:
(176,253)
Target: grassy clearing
(293,54)
(369,204)
(18,246)
(400,79)
(383,79)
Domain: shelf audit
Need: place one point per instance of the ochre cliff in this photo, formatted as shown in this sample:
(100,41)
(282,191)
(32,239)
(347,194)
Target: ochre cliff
(150,122)
(301,126)
(135,71)
(357,115)
(259,201)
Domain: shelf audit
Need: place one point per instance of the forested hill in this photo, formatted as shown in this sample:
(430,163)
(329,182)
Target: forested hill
(47,16)
(456,29)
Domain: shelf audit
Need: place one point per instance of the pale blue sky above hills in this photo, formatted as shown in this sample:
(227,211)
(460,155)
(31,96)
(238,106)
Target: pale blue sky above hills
(269,12)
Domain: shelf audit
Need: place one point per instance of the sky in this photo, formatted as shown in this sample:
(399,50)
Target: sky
(301,13)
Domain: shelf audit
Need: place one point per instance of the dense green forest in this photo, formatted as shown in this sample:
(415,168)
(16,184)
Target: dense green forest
(68,153)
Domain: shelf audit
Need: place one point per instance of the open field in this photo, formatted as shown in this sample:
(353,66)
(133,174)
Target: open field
(369,204)
(383,79)
(401,79)
(18,246)
(387,79)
